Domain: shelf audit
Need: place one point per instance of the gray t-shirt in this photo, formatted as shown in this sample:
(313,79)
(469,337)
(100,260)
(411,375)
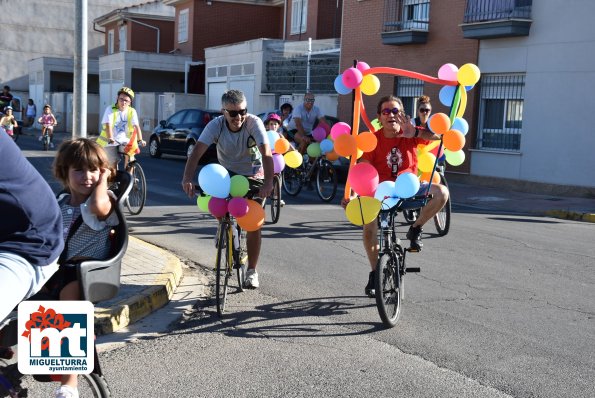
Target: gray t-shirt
(237,151)
(308,118)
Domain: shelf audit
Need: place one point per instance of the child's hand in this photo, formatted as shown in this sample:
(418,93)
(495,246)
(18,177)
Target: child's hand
(104,175)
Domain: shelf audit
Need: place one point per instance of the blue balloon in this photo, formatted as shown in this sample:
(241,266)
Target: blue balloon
(215,180)
(273,136)
(467,88)
(340,87)
(385,193)
(406,185)
(461,125)
(326,145)
(447,94)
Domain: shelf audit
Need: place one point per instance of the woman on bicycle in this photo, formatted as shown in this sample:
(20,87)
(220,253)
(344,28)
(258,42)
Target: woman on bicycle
(47,121)
(121,126)
(8,122)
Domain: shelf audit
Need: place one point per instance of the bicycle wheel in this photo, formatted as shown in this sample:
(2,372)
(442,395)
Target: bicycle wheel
(91,385)
(326,180)
(388,288)
(276,199)
(46,142)
(222,270)
(292,183)
(138,194)
(442,218)
(241,260)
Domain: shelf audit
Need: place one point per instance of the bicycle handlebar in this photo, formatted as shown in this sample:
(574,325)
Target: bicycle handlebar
(401,202)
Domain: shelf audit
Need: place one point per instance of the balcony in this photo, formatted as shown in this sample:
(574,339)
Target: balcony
(491,19)
(405,22)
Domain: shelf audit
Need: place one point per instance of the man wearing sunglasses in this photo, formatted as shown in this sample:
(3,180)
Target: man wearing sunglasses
(242,148)
(396,153)
(303,120)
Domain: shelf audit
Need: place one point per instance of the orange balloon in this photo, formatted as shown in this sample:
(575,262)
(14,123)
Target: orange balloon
(254,219)
(366,141)
(439,123)
(345,145)
(426,177)
(453,140)
(332,156)
(281,146)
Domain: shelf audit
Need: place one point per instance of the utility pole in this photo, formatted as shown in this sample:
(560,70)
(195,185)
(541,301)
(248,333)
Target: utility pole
(79,98)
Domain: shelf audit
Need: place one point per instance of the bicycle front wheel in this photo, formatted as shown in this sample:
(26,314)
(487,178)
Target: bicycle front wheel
(138,194)
(442,218)
(223,268)
(326,180)
(388,288)
(276,199)
(292,184)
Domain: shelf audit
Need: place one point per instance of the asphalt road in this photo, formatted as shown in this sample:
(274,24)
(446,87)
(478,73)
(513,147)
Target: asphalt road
(504,305)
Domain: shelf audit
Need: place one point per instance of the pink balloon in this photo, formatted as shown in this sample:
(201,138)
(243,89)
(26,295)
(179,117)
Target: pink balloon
(363,178)
(319,133)
(339,129)
(218,206)
(362,66)
(448,72)
(238,207)
(352,78)
(278,162)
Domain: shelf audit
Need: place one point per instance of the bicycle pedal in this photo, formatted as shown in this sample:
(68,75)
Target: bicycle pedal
(412,269)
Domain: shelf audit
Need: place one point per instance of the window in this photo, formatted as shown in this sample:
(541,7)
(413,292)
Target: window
(110,41)
(122,37)
(408,90)
(299,15)
(416,14)
(501,112)
(183,26)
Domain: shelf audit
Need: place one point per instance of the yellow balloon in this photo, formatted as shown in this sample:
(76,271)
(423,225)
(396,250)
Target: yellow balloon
(425,161)
(468,75)
(370,85)
(362,210)
(293,159)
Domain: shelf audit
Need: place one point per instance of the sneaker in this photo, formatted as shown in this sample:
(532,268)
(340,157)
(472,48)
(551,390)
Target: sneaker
(52,145)
(282,203)
(67,392)
(251,279)
(39,138)
(414,235)
(370,290)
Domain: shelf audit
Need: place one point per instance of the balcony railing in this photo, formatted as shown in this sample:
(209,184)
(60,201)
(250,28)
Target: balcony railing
(405,21)
(494,10)
(490,19)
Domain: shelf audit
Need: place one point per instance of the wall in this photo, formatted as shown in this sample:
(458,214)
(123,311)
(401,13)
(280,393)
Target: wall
(558,136)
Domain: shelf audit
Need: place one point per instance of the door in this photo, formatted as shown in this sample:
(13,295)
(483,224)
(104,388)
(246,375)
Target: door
(247,87)
(215,91)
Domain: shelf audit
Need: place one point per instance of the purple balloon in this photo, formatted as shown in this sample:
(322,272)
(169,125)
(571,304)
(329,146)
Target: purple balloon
(238,207)
(319,133)
(218,206)
(278,162)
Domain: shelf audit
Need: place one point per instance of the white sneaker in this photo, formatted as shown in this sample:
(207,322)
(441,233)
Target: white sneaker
(39,138)
(282,203)
(67,392)
(251,279)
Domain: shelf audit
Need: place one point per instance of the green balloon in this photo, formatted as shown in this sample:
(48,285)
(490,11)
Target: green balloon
(239,186)
(454,158)
(203,202)
(314,150)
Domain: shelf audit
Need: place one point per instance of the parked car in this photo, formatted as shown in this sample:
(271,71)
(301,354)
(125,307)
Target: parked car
(178,134)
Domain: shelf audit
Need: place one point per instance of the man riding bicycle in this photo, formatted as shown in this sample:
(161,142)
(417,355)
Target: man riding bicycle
(121,126)
(242,148)
(303,120)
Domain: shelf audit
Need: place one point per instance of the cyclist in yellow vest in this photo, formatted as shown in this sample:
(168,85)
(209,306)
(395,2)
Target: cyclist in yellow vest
(121,126)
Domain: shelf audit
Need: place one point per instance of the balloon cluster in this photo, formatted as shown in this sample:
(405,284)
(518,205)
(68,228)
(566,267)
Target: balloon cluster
(283,153)
(362,177)
(225,194)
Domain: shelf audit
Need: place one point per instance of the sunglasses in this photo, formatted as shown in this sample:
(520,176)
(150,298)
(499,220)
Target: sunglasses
(425,110)
(241,112)
(309,100)
(387,111)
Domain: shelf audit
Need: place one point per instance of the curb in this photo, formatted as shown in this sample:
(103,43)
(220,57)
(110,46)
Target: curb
(132,309)
(571,215)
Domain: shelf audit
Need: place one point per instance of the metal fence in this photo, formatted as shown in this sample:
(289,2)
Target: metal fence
(406,15)
(501,112)
(492,10)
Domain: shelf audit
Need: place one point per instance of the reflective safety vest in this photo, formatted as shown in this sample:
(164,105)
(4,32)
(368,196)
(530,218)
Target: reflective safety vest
(132,147)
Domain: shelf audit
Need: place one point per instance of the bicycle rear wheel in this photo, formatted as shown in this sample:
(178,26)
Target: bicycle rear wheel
(292,183)
(223,268)
(442,218)
(326,180)
(138,194)
(388,284)
(276,199)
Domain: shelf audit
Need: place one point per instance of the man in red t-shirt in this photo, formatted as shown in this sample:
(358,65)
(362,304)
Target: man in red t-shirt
(395,153)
